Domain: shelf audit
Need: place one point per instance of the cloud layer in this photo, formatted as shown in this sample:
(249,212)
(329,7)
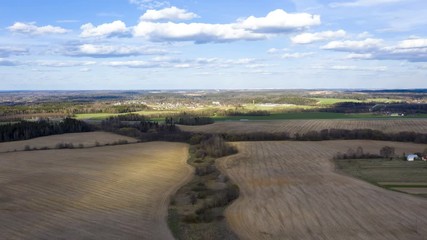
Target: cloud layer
(251,28)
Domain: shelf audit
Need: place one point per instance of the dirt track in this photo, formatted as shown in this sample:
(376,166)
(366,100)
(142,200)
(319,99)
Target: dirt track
(116,192)
(289,190)
(304,126)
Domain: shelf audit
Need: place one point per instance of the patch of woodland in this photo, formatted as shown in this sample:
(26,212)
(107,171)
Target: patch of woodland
(24,130)
(197,209)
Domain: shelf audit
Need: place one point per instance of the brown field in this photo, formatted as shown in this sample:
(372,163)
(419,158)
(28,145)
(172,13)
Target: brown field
(114,192)
(88,139)
(303,126)
(289,190)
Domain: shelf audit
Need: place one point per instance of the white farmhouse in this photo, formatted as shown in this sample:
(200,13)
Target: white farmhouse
(411,157)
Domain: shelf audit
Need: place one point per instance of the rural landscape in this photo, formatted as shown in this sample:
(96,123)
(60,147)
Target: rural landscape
(213,120)
(333,168)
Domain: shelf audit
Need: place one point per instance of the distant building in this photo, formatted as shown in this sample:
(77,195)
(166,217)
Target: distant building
(411,157)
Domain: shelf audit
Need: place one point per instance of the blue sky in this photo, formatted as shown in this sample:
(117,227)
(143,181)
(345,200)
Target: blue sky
(234,44)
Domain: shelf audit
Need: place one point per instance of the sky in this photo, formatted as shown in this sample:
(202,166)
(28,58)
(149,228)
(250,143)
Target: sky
(212,44)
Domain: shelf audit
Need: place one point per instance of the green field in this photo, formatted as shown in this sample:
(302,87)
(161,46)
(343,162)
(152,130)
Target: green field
(159,116)
(390,174)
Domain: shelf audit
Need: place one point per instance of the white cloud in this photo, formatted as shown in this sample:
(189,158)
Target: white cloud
(413,43)
(357,68)
(306,38)
(31,28)
(359,56)
(116,28)
(168,62)
(91,50)
(56,63)
(277,50)
(279,21)
(296,55)
(354,46)
(149,4)
(352,68)
(171,13)
(251,28)
(197,32)
(412,50)
(9,51)
(132,64)
(363,3)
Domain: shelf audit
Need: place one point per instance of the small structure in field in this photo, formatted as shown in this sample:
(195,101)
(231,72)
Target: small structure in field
(411,157)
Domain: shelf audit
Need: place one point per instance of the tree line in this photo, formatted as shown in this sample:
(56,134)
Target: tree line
(26,130)
(329,134)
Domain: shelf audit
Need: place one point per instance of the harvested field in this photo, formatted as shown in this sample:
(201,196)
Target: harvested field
(304,126)
(114,192)
(88,139)
(289,190)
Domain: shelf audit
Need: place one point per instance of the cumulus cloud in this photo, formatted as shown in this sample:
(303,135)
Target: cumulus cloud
(105,51)
(197,32)
(354,46)
(113,29)
(251,28)
(413,50)
(306,38)
(33,29)
(279,21)
(363,3)
(171,13)
(11,51)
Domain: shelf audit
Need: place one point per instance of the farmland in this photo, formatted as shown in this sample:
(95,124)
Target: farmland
(87,139)
(304,126)
(114,192)
(404,176)
(289,190)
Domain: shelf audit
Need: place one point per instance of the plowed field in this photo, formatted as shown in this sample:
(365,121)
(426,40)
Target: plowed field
(114,192)
(289,190)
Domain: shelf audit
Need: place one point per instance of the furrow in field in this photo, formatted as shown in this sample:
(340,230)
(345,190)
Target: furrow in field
(117,192)
(289,190)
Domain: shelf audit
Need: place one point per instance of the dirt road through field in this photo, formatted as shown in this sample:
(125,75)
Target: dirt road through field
(289,190)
